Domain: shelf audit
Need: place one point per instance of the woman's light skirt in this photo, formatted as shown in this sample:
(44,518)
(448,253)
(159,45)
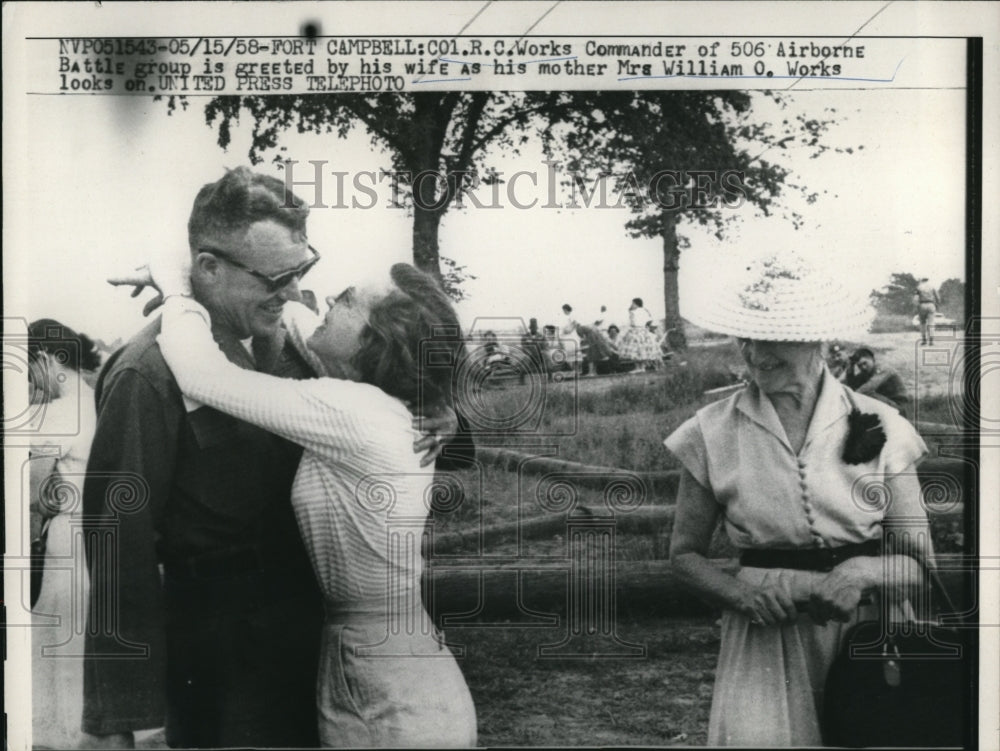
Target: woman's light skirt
(381,689)
(640,345)
(769,679)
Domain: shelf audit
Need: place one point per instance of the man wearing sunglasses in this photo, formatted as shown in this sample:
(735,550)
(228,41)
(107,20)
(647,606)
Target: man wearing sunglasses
(208,615)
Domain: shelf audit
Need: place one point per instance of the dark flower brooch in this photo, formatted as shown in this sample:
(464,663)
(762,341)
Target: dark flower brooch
(865,437)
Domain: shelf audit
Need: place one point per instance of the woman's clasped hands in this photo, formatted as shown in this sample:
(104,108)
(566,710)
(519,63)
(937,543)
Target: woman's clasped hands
(768,604)
(826,597)
(836,596)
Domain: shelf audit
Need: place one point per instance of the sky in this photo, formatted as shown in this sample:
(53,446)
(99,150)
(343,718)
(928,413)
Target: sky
(110,180)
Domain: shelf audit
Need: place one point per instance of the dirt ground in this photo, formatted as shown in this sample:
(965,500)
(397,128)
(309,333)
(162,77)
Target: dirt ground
(660,698)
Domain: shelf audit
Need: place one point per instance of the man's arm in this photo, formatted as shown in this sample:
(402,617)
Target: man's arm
(129,478)
(892,390)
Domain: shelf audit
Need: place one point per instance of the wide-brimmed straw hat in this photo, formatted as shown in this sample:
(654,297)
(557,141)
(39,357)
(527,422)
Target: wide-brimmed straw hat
(782,298)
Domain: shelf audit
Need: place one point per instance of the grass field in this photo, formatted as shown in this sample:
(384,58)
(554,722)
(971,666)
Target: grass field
(621,421)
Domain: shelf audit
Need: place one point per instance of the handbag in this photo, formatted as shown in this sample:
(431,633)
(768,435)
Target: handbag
(908,686)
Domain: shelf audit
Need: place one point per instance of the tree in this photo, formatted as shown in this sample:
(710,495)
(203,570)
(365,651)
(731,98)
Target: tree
(436,142)
(952,294)
(896,297)
(684,157)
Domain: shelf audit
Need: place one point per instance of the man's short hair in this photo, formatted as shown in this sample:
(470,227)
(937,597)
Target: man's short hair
(862,352)
(239,199)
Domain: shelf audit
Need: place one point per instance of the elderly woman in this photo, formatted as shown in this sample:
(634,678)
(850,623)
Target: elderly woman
(795,466)
(385,676)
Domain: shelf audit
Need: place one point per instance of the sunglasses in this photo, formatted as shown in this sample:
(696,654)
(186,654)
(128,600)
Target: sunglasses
(273,282)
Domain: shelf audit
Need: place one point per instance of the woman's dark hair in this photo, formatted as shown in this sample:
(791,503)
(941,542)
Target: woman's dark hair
(637,301)
(75,351)
(612,326)
(411,343)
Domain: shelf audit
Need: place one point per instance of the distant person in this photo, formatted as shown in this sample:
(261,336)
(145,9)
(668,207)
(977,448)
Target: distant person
(569,322)
(533,348)
(638,343)
(597,350)
(837,361)
(878,382)
(493,351)
(63,430)
(620,364)
(567,331)
(927,301)
(599,323)
(663,340)
(556,360)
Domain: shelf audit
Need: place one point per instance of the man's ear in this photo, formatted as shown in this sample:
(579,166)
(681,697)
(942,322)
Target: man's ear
(205,266)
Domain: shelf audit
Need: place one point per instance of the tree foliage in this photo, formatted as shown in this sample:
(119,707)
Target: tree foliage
(685,152)
(442,136)
(896,297)
(952,294)
(450,135)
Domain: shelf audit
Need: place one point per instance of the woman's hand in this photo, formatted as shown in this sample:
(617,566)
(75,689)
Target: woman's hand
(169,274)
(768,604)
(140,279)
(694,524)
(439,429)
(837,595)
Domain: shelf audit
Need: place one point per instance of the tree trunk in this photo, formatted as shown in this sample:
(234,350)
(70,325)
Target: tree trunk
(425,239)
(430,125)
(671,296)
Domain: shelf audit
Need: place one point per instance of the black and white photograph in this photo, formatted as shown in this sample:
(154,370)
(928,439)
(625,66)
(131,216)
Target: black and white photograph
(502,374)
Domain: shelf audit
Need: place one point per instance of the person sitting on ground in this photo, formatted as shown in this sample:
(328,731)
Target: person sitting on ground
(837,361)
(876,381)
(596,349)
(494,354)
(556,360)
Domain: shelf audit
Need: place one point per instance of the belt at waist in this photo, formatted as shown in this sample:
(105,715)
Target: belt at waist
(399,610)
(808,559)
